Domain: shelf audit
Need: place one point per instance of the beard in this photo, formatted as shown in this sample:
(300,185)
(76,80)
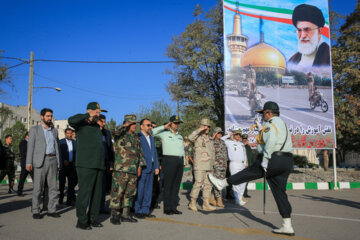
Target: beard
(48,123)
(309,47)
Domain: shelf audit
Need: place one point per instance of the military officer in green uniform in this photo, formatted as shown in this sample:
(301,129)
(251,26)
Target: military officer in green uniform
(127,167)
(90,165)
(9,157)
(275,162)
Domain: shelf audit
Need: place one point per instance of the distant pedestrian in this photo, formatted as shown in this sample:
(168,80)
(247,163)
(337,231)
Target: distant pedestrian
(68,170)
(24,173)
(43,157)
(9,157)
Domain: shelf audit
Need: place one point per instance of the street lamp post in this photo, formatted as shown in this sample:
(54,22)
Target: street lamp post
(31,86)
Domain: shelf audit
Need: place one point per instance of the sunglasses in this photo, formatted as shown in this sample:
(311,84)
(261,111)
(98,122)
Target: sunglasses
(148,125)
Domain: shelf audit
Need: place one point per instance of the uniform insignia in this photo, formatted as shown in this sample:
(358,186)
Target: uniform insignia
(267,129)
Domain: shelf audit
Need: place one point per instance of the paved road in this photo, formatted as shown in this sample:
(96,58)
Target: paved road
(293,102)
(316,215)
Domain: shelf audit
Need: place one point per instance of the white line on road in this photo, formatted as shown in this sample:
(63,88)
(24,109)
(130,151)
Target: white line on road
(231,115)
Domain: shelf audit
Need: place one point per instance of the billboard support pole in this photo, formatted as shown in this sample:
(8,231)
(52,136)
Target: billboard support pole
(334,167)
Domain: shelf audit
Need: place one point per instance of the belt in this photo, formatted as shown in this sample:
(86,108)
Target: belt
(283,154)
(170,156)
(50,155)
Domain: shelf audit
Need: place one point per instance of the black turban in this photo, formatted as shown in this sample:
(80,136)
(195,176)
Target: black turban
(309,13)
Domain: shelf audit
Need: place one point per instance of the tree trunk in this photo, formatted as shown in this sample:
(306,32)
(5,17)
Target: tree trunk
(326,160)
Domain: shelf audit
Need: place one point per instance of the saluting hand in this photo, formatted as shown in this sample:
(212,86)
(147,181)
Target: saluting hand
(168,125)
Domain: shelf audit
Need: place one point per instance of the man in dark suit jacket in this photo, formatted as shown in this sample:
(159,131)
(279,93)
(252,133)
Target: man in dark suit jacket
(68,153)
(109,160)
(24,173)
(44,158)
(145,182)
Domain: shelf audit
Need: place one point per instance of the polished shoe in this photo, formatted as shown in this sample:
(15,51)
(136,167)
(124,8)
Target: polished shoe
(72,204)
(168,212)
(104,211)
(149,215)
(129,219)
(139,215)
(115,217)
(83,226)
(218,183)
(37,216)
(247,196)
(54,215)
(176,212)
(20,194)
(95,223)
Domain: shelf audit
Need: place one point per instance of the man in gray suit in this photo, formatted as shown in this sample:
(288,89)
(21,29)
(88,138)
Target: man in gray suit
(43,157)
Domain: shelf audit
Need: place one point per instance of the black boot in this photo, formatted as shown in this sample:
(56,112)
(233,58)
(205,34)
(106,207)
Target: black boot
(126,216)
(115,217)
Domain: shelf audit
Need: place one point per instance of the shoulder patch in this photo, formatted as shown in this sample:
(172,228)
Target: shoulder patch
(267,129)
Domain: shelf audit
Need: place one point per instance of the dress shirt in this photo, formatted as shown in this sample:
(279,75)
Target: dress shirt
(172,143)
(70,149)
(50,140)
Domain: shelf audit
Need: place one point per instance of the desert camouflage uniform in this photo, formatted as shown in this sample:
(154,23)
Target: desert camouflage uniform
(128,157)
(220,164)
(203,163)
(9,157)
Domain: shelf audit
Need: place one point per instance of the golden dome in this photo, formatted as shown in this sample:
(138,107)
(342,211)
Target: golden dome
(262,55)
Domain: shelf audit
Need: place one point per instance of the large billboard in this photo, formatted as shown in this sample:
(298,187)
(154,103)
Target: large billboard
(280,51)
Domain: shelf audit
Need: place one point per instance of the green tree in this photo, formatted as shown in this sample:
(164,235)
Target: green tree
(346,69)
(111,125)
(18,131)
(159,112)
(4,115)
(198,74)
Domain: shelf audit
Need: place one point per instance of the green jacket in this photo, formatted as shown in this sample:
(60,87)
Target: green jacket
(9,156)
(89,145)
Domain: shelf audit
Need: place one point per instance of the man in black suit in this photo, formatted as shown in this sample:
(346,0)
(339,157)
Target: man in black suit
(68,152)
(109,160)
(24,173)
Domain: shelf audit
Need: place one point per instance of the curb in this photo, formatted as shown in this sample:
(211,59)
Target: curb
(260,186)
(295,186)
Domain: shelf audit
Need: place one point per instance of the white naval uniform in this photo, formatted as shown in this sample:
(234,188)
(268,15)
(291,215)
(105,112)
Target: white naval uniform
(238,161)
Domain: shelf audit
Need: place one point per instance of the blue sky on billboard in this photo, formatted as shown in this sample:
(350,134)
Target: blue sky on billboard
(282,36)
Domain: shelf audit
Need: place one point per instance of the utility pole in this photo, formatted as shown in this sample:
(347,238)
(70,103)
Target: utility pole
(31,84)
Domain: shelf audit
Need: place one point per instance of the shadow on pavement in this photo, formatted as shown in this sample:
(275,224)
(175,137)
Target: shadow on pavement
(14,206)
(334,201)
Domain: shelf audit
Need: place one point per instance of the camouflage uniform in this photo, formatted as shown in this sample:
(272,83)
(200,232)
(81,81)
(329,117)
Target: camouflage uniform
(203,163)
(220,164)
(128,157)
(9,157)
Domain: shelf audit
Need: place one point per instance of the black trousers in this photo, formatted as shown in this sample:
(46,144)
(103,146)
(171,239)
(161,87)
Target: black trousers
(23,175)
(173,168)
(278,171)
(69,173)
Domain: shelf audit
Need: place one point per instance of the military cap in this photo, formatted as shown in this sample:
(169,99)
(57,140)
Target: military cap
(308,13)
(205,122)
(130,118)
(244,136)
(218,130)
(269,106)
(95,106)
(237,131)
(175,119)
